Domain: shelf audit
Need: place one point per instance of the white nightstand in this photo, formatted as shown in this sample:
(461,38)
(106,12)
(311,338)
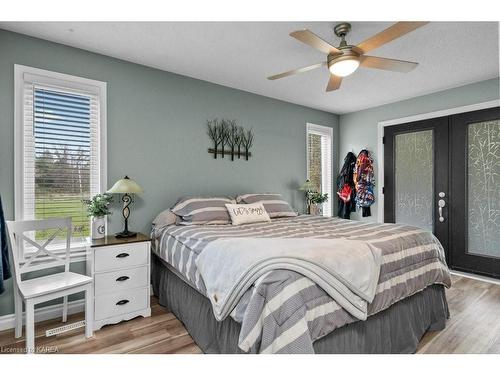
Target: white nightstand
(120,268)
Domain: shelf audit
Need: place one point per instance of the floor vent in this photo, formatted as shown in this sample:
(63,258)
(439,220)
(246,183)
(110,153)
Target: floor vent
(65,328)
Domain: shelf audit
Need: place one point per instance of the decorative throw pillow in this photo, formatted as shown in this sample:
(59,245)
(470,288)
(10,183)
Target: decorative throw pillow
(274,204)
(247,213)
(201,210)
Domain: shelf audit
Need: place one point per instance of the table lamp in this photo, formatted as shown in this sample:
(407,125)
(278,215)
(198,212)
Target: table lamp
(308,187)
(125,186)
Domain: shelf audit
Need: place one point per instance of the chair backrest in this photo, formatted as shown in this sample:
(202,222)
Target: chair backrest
(40,257)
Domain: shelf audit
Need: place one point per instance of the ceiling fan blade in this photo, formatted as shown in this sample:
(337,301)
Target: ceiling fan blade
(333,83)
(387,64)
(311,39)
(395,31)
(297,71)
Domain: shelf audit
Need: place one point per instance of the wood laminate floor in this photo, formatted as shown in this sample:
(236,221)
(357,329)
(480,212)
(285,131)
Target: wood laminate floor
(474,327)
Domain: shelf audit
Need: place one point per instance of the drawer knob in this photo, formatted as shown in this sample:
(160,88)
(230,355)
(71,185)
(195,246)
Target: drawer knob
(122,302)
(123,278)
(122,255)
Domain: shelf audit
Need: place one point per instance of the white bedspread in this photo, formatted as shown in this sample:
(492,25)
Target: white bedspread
(348,270)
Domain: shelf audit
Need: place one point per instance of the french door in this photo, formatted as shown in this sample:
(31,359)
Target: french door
(443,175)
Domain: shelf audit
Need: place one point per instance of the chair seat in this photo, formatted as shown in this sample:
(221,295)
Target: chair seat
(52,283)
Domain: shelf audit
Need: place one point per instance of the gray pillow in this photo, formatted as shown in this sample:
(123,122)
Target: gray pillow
(164,219)
(274,203)
(203,210)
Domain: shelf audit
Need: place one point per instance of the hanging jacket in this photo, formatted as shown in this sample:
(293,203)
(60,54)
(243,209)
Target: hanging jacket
(364,182)
(346,191)
(4,263)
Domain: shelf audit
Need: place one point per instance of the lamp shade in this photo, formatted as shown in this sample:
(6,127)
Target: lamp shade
(307,186)
(343,68)
(124,186)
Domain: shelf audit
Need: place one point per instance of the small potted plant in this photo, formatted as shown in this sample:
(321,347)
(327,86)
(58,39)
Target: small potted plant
(316,200)
(97,209)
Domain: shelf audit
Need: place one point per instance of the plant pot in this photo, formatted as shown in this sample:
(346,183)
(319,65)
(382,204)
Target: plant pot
(98,227)
(316,209)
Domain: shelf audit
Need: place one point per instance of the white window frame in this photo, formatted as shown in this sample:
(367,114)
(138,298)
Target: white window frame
(324,131)
(64,82)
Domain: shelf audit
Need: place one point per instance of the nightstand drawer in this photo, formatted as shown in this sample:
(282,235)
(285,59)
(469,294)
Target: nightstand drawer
(115,281)
(121,303)
(121,256)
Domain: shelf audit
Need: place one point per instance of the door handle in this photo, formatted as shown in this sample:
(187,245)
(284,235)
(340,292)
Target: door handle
(441,204)
(122,302)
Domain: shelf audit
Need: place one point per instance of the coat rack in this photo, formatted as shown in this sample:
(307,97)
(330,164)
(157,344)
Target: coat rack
(229,139)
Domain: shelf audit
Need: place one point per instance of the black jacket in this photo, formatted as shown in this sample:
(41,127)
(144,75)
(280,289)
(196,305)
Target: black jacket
(346,177)
(4,264)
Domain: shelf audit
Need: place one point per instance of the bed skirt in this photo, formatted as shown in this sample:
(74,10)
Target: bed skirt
(397,329)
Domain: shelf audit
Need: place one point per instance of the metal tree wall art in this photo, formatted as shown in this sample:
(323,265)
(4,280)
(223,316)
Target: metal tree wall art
(227,133)
(224,130)
(247,142)
(232,136)
(241,135)
(215,133)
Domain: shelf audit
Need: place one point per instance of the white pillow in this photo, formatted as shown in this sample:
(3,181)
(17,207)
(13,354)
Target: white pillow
(247,213)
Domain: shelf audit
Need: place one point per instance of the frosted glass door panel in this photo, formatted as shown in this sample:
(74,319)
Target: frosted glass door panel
(413,161)
(483,167)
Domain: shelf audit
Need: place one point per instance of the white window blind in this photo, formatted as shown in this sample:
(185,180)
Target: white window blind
(319,161)
(61,152)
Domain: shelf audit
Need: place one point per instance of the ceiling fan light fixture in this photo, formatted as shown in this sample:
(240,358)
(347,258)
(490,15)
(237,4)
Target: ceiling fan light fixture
(346,58)
(343,67)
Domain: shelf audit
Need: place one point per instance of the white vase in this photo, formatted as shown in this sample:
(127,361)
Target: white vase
(98,227)
(316,209)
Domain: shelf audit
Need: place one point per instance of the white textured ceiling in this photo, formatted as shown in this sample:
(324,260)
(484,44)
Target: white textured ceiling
(243,54)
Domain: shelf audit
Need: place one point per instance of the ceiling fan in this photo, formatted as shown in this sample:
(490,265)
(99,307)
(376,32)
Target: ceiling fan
(345,59)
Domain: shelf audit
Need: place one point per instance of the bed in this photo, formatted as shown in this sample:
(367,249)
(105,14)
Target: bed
(283,311)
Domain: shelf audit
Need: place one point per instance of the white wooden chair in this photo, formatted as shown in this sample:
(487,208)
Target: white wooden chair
(45,288)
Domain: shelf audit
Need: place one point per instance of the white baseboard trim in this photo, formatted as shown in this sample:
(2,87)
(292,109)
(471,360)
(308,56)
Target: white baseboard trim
(44,313)
(486,279)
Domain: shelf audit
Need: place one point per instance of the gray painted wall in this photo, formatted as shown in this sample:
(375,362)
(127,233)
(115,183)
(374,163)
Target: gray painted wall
(157,133)
(358,130)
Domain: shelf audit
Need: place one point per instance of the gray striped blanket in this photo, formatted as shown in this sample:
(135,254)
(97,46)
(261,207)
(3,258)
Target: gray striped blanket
(285,312)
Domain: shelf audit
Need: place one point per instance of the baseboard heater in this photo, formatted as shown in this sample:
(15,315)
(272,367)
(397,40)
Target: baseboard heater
(65,328)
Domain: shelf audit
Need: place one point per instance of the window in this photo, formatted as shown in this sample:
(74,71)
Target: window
(59,147)
(319,162)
